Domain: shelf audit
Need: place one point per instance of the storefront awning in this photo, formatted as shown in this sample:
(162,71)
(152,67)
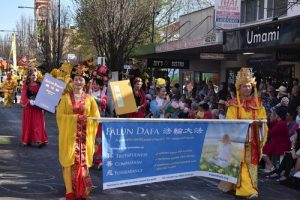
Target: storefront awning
(184,48)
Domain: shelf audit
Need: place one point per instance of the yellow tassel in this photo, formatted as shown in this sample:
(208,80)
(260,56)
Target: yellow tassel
(256,96)
(238,98)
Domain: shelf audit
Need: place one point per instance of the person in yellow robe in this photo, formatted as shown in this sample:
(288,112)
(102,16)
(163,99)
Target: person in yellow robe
(77,137)
(247,106)
(8,86)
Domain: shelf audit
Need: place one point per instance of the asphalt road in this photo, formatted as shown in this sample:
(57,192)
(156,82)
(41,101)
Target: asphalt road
(35,173)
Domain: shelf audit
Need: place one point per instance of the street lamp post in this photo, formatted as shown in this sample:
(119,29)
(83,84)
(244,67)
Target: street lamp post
(8,31)
(154,14)
(153,21)
(26,7)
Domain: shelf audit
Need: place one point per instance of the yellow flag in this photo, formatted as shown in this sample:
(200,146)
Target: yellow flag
(14,51)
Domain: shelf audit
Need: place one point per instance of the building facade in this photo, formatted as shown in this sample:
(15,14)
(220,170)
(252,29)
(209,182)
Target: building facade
(267,38)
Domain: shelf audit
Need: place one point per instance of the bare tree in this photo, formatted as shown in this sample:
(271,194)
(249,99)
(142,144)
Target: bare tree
(114,26)
(26,43)
(5,45)
(170,10)
(53,38)
(39,39)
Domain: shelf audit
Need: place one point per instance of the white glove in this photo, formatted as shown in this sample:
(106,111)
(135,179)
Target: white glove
(32,102)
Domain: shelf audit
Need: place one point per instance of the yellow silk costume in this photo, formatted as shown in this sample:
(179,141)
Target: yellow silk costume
(248,109)
(8,86)
(67,123)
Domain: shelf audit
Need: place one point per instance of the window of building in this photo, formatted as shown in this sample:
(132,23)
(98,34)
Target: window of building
(270,8)
(277,8)
(261,9)
(280,7)
(252,10)
(243,11)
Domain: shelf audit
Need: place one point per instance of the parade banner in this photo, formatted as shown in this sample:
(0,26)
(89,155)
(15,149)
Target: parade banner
(145,151)
(49,93)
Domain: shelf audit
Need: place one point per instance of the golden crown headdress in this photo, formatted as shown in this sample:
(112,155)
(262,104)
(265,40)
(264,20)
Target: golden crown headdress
(80,70)
(245,75)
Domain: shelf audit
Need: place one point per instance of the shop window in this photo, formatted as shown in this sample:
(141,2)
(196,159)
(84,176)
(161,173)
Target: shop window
(197,77)
(231,74)
(187,78)
(173,75)
(160,73)
(281,73)
(214,77)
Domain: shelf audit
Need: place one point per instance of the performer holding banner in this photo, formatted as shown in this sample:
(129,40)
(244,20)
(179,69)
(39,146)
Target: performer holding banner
(77,136)
(245,106)
(33,122)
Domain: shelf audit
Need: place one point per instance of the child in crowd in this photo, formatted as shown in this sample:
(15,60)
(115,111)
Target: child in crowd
(204,111)
(222,109)
(160,103)
(193,111)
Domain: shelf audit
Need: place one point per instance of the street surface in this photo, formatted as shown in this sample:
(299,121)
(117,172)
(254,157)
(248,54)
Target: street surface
(35,173)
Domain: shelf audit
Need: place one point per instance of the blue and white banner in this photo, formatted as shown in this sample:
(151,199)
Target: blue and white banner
(145,151)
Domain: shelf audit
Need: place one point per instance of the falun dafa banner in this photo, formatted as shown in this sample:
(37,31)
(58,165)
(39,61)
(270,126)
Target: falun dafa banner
(153,150)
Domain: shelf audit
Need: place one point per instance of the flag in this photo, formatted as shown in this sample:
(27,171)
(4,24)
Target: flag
(13,52)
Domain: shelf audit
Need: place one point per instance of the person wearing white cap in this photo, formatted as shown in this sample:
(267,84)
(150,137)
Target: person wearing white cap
(283,102)
(282,92)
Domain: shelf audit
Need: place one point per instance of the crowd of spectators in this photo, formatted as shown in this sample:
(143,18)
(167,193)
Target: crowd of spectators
(281,154)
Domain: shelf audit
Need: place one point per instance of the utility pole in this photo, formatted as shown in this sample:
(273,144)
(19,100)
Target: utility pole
(58,37)
(153,21)
(154,14)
